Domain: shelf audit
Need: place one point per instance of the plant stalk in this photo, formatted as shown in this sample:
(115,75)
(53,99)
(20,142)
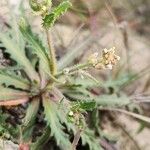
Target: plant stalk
(53,62)
(74,69)
(76,139)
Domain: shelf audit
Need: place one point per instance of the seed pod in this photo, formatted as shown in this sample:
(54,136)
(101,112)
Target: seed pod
(40,6)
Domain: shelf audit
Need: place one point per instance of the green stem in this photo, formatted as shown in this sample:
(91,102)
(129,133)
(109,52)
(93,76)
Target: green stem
(74,69)
(71,70)
(53,62)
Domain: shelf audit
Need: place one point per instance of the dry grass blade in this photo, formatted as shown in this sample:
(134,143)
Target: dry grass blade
(74,53)
(137,116)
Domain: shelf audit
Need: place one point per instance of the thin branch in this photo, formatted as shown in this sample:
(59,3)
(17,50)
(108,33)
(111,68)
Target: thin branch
(74,69)
(76,139)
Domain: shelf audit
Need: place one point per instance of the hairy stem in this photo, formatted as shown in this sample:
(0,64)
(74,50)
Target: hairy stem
(76,139)
(74,69)
(53,63)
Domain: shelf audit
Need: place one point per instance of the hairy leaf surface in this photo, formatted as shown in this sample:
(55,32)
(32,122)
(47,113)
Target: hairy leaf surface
(31,111)
(36,45)
(10,97)
(51,115)
(89,138)
(29,120)
(8,94)
(50,19)
(18,55)
(10,78)
(38,145)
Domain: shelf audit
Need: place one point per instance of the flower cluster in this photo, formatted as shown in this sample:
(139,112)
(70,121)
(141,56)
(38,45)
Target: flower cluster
(106,61)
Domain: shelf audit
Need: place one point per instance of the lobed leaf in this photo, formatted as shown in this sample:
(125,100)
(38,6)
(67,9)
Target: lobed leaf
(37,47)
(112,100)
(88,105)
(18,55)
(29,120)
(49,20)
(10,78)
(10,97)
(31,111)
(89,138)
(41,140)
(51,115)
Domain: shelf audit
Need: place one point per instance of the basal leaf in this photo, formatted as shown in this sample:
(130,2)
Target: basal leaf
(56,127)
(8,94)
(41,140)
(18,55)
(10,78)
(10,97)
(36,45)
(89,138)
(29,120)
(31,112)
(50,19)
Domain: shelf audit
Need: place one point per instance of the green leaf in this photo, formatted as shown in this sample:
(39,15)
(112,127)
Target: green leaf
(9,94)
(85,82)
(49,20)
(41,140)
(36,45)
(51,115)
(18,55)
(112,100)
(31,111)
(29,119)
(89,138)
(10,78)
(10,97)
(88,105)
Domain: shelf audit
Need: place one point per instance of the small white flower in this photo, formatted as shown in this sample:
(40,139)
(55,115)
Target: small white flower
(71,113)
(105,50)
(95,54)
(117,57)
